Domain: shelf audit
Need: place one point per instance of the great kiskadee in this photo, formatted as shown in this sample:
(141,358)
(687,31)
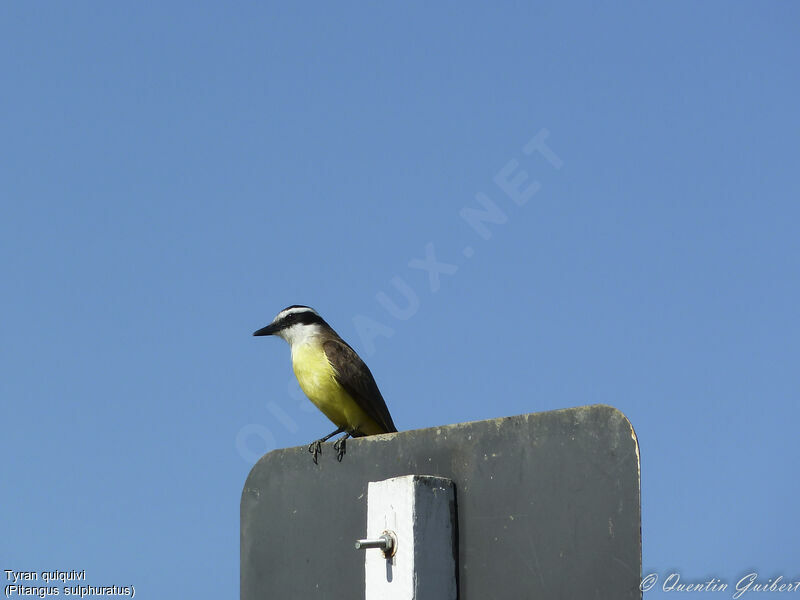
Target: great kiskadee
(333,377)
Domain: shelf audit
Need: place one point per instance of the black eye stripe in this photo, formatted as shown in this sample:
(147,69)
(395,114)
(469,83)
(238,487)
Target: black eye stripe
(302,318)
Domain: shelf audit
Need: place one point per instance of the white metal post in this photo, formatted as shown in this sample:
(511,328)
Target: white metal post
(410,545)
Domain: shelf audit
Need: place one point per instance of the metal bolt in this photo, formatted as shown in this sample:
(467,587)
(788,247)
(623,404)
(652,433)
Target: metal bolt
(386,542)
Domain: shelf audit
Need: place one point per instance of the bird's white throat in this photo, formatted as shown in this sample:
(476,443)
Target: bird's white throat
(300,334)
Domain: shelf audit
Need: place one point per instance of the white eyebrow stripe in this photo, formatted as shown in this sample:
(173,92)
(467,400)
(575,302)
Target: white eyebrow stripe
(295,310)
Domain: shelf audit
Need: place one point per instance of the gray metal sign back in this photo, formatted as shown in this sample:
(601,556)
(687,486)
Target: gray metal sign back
(547,506)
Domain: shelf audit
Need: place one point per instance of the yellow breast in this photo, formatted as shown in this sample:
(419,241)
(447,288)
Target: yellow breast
(317,379)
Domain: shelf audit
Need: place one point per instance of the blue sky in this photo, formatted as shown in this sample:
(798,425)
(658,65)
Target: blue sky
(173,175)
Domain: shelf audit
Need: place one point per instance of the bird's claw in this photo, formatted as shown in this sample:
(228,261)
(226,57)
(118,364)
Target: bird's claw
(341,447)
(315,448)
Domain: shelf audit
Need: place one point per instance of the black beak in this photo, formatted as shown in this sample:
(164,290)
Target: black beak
(268,330)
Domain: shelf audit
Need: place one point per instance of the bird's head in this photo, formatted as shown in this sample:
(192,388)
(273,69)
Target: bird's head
(295,324)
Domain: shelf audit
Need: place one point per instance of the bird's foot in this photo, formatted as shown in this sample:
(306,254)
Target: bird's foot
(315,448)
(341,447)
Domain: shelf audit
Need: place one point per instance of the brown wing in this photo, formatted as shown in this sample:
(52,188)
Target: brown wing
(354,376)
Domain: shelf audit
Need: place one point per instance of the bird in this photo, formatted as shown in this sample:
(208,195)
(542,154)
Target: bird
(333,376)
